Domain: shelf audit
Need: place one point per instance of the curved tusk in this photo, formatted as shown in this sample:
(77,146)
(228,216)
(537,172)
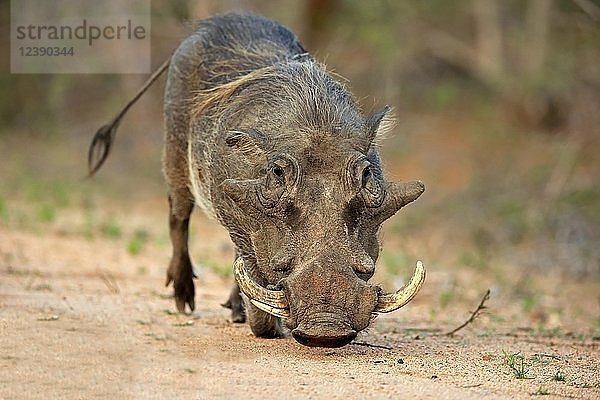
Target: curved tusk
(278,312)
(393,301)
(271,301)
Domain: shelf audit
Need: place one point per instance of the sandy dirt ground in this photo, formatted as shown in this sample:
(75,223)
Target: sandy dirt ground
(81,318)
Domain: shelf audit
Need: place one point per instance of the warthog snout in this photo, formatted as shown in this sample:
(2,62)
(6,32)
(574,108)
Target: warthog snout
(325,312)
(323,334)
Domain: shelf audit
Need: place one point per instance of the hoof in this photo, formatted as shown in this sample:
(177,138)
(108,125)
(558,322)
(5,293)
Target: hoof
(238,315)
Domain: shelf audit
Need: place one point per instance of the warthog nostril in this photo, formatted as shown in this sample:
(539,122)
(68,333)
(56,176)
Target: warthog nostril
(364,276)
(327,340)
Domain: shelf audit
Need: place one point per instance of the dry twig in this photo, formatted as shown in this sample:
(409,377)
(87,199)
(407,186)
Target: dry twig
(474,315)
(377,346)
(109,280)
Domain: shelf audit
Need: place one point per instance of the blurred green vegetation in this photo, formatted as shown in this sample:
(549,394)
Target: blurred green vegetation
(138,241)
(111,228)
(497,109)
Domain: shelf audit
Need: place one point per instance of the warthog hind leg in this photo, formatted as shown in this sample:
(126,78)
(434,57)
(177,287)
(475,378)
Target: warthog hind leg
(180,270)
(236,304)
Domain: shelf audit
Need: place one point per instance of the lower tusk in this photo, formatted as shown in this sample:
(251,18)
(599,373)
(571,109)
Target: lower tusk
(270,301)
(393,301)
(278,312)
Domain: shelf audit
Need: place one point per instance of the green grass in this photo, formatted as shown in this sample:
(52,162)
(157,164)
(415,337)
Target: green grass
(43,287)
(46,197)
(513,214)
(138,241)
(444,94)
(49,318)
(223,270)
(55,192)
(88,228)
(111,228)
(46,213)
(445,298)
(397,262)
(544,331)
(559,377)
(473,259)
(585,200)
(528,303)
(541,392)
(516,363)
(134,246)
(155,336)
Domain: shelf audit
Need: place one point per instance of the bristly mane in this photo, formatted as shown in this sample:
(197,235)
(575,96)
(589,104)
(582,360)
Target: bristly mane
(314,100)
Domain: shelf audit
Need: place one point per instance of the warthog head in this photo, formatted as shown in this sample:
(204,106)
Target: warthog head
(311,203)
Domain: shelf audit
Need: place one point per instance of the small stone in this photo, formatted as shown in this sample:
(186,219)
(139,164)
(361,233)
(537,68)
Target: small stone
(400,361)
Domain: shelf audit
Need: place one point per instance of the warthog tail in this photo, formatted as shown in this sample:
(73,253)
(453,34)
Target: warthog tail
(104,137)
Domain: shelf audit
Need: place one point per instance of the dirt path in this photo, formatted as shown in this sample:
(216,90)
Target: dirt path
(74,323)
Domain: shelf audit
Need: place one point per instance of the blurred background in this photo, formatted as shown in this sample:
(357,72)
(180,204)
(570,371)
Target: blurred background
(497,109)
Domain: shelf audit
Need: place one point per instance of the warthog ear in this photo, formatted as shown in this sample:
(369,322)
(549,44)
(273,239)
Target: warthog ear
(376,126)
(248,140)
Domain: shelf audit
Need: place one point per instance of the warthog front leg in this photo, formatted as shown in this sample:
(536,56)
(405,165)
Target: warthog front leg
(262,324)
(180,270)
(235,302)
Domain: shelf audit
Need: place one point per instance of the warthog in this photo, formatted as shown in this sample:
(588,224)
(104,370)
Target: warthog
(265,140)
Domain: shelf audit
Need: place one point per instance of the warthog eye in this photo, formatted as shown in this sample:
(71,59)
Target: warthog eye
(279,172)
(278,180)
(366,175)
(282,169)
